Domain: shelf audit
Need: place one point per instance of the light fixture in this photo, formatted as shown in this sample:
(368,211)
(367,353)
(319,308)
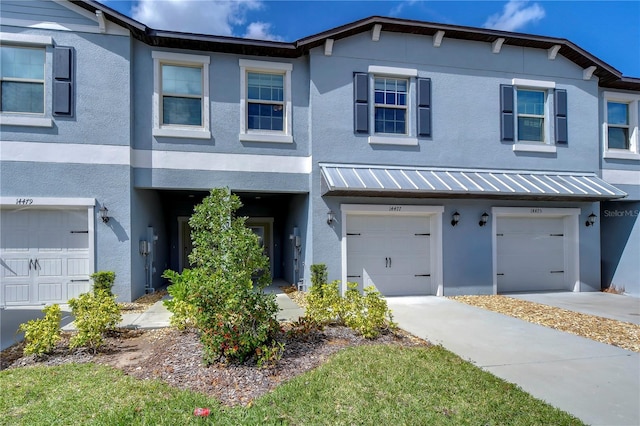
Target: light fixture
(483,219)
(455,218)
(330,217)
(104,213)
(591,220)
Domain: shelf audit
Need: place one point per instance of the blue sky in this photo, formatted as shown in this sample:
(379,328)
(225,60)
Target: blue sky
(610,30)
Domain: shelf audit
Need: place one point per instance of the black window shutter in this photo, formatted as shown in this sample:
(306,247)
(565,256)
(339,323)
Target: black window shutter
(506,113)
(63,81)
(361,103)
(561,116)
(424,106)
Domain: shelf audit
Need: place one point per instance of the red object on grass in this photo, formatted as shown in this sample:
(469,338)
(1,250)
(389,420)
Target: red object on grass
(201,412)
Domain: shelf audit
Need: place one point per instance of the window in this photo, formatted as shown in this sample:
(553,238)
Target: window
(390,96)
(400,110)
(22,79)
(533,115)
(265,101)
(26,90)
(621,126)
(181,95)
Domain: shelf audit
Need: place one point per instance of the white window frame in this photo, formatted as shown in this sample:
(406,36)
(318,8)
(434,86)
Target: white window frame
(409,74)
(633,153)
(172,130)
(269,136)
(10,118)
(548,144)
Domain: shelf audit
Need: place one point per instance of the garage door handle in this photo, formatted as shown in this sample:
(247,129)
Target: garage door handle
(351,234)
(556,272)
(79,232)
(30,263)
(422,275)
(556,235)
(348,276)
(422,235)
(500,275)
(79,281)
(36,264)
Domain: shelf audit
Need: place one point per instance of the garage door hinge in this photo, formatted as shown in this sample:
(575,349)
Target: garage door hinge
(556,272)
(352,234)
(499,235)
(556,235)
(354,276)
(500,275)
(422,235)
(422,275)
(79,232)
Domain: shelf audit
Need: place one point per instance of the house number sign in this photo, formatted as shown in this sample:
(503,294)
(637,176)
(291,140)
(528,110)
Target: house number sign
(537,210)
(24,201)
(395,208)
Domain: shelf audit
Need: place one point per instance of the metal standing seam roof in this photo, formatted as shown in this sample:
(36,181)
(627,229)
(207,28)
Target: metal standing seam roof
(345,179)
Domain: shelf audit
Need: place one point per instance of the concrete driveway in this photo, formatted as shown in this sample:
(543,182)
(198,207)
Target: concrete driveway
(598,383)
(11,318)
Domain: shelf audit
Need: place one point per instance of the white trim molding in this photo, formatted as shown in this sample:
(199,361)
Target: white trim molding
(25,39)
(633,104)
(180,131)
(70,153)
(393,140)
(6,119)
(250,135)
(393,71)
(535,84)
(530,147)
(35,202)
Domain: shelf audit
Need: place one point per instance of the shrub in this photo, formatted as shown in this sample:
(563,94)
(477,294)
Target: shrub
(225,287)
(367,313)
(268,356)
(183,312)
(41,335)
(103,280)
(94,314)
(318,274)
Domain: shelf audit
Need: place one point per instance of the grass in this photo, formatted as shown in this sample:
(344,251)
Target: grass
(363,385)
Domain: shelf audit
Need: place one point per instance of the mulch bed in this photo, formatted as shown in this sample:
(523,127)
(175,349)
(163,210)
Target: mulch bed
(605,330)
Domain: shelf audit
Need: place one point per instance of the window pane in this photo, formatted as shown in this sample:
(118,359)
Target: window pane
(531,129)
(390,120)
(184,111)
(390,91)
(265,87)
(20,62)
(530,102)
(22,97)
(617,113)
(178,80)
(265,117)
(618,138)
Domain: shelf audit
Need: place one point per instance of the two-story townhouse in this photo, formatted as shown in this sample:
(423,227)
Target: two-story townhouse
(416,157)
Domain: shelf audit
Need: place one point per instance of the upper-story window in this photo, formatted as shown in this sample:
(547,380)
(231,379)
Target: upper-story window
(620,126)
(265,101)
(22,79)
(400,110)
(531,112)
(533,115)
(390,97)
(181,95)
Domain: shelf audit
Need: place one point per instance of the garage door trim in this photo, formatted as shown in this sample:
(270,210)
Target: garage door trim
(433,212)
(571,224)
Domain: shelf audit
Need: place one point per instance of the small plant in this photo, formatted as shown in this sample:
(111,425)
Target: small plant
(103,280)
(268,356)
(324,303)
(94,314)
(183,312)
(303,327)
(41,335)
(318,274)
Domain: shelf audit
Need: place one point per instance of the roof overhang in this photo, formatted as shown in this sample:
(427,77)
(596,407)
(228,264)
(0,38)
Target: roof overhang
(426,182)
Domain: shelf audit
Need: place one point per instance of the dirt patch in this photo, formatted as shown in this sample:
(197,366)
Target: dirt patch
(143,303)
(176,358)
(605,330)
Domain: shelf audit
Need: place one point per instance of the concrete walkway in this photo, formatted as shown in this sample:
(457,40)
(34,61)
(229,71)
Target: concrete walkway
(598,383)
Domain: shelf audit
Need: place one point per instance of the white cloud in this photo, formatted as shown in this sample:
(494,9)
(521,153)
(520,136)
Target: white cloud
(515,15)
(260,31)
(397,10)
(217,17)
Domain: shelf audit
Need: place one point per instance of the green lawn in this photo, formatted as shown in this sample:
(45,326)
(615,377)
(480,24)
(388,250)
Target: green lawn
(373,385)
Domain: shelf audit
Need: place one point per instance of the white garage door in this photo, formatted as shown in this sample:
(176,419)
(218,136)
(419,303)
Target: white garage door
(531,254)
(44,256)
(391,253)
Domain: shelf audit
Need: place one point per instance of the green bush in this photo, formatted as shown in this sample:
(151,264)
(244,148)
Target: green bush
(103,280)
(318,274)
(41,335)
(94,313)
(367,313)
(183,312)
(225,286)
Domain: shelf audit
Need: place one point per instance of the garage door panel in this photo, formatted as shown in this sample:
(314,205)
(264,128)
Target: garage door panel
(15,267)
(531,225)
(76,287)
(16,293)
(49,291)
(50,267)
(77,267)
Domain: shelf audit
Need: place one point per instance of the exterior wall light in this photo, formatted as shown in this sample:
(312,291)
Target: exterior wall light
(591,220)
(455,218)
(483,219)
(331,216)
(104,214)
